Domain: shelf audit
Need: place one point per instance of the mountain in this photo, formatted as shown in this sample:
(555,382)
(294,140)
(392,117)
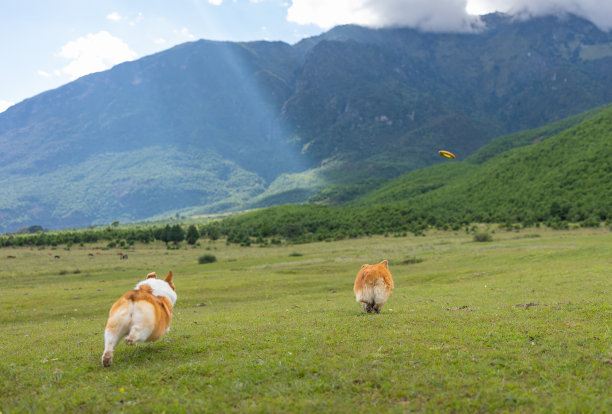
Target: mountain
(408,88)
(193,126)
(213,126)
(557,178)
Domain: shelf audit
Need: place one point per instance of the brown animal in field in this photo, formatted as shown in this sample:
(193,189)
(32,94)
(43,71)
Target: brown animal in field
(90,254)
(11,257)
(124,256)
(373,286)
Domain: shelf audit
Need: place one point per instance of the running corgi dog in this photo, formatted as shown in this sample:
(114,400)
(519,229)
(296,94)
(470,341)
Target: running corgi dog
(142,314)
(373,286)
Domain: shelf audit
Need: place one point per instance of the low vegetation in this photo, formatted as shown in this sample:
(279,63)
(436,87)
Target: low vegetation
(207,258)
(521,324)
(483,236)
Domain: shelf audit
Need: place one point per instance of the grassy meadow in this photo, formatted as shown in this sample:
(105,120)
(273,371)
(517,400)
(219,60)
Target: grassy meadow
(521,323)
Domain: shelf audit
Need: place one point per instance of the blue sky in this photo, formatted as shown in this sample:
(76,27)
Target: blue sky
(47,43)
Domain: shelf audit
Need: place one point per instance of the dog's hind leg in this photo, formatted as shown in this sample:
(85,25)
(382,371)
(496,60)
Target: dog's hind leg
(111,339)
(377,307)
(367,307)
(117,327)
(138,333)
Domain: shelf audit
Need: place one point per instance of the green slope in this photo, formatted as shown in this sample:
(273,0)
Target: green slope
(565,178)
(532,136)
(101,186)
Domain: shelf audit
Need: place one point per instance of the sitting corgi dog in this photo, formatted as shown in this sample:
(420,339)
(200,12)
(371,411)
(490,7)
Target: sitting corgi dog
(373,286)
(143,314)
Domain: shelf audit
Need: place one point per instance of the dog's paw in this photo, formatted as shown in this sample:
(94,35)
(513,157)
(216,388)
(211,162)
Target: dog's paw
(107,360)
(129,341)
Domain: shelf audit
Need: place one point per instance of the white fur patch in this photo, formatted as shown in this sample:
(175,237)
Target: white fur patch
(160,288)
(377,293)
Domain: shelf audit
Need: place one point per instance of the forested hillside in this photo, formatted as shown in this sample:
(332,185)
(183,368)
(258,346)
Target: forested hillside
(556,181)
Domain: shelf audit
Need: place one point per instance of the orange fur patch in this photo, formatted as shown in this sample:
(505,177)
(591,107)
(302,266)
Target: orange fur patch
(371,276)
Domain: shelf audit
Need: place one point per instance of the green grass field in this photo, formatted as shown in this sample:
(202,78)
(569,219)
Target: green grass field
(518,324)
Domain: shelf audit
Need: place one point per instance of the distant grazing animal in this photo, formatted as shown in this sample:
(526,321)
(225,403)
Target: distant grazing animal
(11,257)
(143,314)
(56,257)
(123,256)
(90,254)
(373,286)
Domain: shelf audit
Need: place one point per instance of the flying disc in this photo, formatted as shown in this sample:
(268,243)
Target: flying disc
(447,154)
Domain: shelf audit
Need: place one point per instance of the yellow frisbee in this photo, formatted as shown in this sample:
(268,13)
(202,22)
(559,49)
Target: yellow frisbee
(447,154)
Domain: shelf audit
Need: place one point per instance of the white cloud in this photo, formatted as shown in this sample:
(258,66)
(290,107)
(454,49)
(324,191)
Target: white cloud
(215,2)
(114,16)
(94,53)
(4,105)
(434,15)
(437,15)
(597,11)
(44,74)
(159,41)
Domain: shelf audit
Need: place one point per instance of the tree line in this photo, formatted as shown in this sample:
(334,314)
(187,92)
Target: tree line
(114,235)
(299,224)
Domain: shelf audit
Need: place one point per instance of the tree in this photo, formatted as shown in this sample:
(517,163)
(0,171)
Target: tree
(163,233)
(177,234)
(192,234)
(213,232)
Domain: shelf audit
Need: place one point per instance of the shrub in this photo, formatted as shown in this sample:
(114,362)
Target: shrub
(207,258)
(412,260)
(482,236)
(592,221)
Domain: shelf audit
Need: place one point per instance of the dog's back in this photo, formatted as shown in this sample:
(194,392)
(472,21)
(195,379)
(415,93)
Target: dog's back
(373,285)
